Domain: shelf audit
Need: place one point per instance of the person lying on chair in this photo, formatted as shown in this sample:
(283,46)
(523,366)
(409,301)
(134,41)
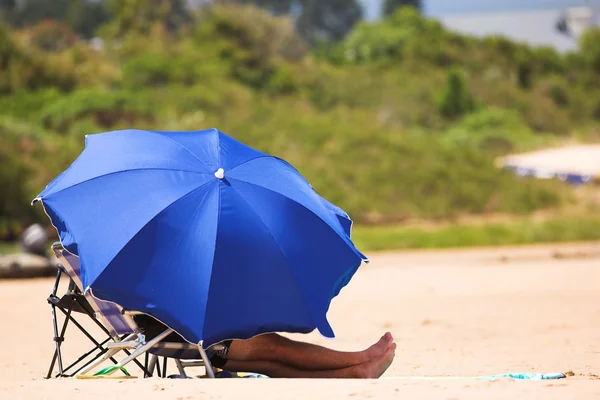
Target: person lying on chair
(279,357)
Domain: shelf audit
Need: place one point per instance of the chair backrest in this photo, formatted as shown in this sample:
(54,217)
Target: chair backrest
(108,313)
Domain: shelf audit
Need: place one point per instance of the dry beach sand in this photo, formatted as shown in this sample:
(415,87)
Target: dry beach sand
(477,312)
(573,159)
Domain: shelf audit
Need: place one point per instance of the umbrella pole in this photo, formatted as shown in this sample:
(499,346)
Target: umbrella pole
(209,369)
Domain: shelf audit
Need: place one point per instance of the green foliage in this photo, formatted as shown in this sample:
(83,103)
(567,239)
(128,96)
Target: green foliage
(319,22)
(106,108)
(384,123)
(154,69)
(139,17)
(512,232)
(493,130)
(405,35)
(31,12)
(275,7)
(51,36)
(22,70)
(327,20)
(254,47)
(558,90)
(455,99)
(11,186)
(8,247)
(390,6)
(22,105)
(23,156)
(82,16)
(590,49)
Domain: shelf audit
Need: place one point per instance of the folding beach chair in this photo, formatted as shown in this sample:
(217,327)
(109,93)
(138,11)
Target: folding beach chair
(134,333)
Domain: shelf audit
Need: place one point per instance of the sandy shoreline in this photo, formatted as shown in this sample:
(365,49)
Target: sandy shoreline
(477,312)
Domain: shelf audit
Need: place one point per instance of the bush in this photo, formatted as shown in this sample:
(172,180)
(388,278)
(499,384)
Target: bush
(22,70)
(558,91)
(406,34)
(455,99)
(496,130)
(251,43)
(106,108)
(26,164)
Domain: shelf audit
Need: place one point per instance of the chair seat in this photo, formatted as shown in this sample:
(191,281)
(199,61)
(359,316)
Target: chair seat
(189,353)
(173,346)
(75,301)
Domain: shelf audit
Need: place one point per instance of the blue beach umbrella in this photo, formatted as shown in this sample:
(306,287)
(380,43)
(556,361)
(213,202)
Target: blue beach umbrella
(213,238)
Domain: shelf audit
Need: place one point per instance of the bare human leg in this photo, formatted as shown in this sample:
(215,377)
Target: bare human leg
(300,355)
(372,369)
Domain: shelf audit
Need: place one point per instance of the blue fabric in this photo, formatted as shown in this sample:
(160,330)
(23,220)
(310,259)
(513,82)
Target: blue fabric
(157,232)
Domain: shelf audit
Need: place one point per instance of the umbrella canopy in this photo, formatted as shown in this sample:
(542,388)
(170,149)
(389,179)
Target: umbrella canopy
(213,238)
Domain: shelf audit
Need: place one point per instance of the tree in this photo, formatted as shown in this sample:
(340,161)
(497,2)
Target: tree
(327,20)
(84,16)
(589,45)
(257,47)
(30,12)
(140,16)
(390,6)
(51,36)
(7,9)
(317,21)
(276,7)
(456,99)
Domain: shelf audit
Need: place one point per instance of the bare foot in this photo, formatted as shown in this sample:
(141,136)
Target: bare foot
(376,367)
(380,347)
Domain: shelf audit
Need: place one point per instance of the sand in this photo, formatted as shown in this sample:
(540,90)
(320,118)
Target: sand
(574,159)
(479,312)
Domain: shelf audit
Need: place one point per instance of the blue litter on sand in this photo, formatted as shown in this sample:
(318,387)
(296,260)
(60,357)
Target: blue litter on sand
(510,375)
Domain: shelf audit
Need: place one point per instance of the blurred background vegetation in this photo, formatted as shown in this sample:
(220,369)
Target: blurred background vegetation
(394,120)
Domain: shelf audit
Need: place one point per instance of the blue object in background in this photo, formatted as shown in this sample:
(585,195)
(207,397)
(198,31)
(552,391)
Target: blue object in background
(213,238)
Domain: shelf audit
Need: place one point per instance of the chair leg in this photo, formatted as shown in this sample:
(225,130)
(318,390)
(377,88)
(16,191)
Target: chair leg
(59,338)
(164,367)
(145,347)
(108,355)
(83,330)
(152,363)
(157,366)
(84,356)
(180,368)
(140,349)
(99,346)
(57,353)
(103,328)
(209,369)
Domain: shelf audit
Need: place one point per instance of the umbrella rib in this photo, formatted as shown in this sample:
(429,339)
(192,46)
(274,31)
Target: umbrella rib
(183,147)
(147,222)
(343,237)
(190,220)
(123,171)
(280,249)
(219,151)
(252,159)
